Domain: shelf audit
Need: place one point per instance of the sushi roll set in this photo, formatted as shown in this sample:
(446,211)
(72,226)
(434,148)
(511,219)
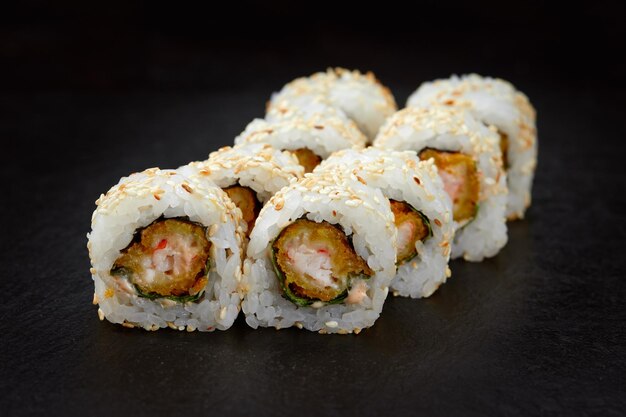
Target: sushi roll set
(320,210)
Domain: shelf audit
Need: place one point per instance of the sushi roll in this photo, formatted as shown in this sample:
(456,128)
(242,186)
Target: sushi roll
(421,208)
(249,173)
(469,162)
(311,134)
(166,251)
(321,257)
(360,96)
(494,102)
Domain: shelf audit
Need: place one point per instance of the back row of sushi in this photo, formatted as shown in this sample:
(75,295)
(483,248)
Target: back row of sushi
(320,209)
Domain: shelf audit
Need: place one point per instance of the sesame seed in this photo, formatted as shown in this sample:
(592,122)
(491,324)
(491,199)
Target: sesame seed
(100,314)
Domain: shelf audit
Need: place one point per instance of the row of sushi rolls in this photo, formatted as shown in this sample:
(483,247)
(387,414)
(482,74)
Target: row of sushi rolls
(321,210)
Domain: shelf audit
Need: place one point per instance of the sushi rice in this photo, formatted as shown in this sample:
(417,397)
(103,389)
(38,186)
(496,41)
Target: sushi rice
(363,214)
(401,176)
(136,202)
(494,102)
(453,129)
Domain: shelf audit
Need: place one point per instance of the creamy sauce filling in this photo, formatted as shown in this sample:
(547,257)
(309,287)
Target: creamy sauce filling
(357,293)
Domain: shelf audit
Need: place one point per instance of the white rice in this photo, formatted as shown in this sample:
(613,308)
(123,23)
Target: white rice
(453,129)
(401,176)
(494,102)
(134,203)
(258,166)
(319,127)
(363,213)
(360,96)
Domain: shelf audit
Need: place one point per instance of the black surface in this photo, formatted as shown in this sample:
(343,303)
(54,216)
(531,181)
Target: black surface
(89,95)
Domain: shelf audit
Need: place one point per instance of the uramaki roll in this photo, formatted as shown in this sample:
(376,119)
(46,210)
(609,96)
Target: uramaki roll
(360,96)
(311,134)
(469,161)
(494,102)
(421,208)
(249,173)
(166,251)
(321,257)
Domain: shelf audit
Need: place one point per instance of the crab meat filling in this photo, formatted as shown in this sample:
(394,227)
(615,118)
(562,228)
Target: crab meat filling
(307,158)
(167,258)
(316,261)
(460,179)
(411,229)
(245,199)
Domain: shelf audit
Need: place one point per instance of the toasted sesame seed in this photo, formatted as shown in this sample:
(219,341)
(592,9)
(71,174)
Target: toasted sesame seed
(128,325)
(332,324)
(100,314)
(95,299)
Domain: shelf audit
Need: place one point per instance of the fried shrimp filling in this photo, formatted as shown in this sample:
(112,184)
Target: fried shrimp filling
(411,227)
(316,261)
(245,199)
(167,258)
(307,158)
(504,147)
(460,179)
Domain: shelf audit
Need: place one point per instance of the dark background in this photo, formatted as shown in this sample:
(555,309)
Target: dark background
(89,93)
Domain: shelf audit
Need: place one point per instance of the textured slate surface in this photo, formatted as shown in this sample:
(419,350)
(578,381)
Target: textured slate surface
(537,330)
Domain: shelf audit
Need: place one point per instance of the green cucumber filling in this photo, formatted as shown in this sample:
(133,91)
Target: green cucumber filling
(167,259)
(316,262)
(412,227)
(460,179)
